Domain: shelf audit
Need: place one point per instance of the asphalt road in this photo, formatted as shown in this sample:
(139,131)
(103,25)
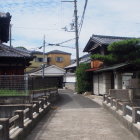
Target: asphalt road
(69,100)
(78,118)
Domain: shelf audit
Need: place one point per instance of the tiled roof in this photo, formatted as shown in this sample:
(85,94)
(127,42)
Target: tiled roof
(6,51)
(36,52)
(57,52)
(103,40)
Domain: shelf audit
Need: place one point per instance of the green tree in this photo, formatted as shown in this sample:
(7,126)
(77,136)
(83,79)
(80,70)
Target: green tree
(21,47)
(121,52)
(83,78)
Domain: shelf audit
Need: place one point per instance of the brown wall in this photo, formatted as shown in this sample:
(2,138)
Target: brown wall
(66,60)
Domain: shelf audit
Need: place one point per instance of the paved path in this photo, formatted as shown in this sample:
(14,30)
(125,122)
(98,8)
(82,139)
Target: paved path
(79,118)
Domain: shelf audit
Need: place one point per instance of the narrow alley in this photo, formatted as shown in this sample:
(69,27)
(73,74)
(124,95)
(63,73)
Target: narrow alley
(76,117)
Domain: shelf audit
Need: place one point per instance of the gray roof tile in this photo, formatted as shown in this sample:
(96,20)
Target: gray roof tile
(6,51)
(103,40)
(109,39)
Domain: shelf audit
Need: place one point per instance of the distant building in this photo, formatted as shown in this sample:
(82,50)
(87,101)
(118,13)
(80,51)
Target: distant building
(53,76)
(70,77)
(58,58)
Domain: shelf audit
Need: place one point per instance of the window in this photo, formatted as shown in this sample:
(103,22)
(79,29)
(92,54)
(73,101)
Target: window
(59,59)
(39,59)
(49,59)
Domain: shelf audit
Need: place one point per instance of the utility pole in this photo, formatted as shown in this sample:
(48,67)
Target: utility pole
(44,43)
(43,65)
(76,31)
(10,34)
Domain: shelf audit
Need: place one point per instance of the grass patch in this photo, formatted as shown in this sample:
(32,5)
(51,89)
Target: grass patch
(7,92)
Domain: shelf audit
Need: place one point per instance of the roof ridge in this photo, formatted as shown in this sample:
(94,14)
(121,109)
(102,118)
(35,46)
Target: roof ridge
(19,52)
(109,36)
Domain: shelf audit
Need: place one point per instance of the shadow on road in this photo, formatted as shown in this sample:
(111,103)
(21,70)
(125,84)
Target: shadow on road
(68,99)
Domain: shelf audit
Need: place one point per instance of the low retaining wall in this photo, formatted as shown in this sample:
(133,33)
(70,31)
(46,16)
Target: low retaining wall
(125,112)
(23,121)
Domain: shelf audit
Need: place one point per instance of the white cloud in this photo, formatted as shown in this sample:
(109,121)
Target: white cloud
(32,19)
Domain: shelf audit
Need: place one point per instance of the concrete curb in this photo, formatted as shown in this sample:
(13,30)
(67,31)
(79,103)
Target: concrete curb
(97,99)
(134,128)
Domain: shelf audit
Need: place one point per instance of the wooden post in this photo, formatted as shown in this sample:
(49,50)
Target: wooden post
(20,121)
(135,116)
(4,132)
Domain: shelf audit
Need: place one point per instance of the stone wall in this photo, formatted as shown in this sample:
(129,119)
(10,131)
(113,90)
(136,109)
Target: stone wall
(70,86)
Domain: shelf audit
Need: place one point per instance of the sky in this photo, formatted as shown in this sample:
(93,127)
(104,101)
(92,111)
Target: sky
(32,19)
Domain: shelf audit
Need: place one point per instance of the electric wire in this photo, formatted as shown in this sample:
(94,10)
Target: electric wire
(83,16)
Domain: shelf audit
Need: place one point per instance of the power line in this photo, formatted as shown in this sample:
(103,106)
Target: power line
(66,41)
(83,15)
(31,28)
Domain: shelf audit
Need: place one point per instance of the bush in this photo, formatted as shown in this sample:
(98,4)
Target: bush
(83,83)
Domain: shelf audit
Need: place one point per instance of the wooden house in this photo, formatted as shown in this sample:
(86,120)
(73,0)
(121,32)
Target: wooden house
(13,61)
(107,77)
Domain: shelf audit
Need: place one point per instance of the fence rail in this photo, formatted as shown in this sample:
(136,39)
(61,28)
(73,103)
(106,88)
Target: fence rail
(29,116)
(126,107)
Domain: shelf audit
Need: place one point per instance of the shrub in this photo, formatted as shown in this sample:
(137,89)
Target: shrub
(83,83)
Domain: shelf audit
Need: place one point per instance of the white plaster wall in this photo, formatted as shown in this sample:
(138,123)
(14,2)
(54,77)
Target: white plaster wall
(95,84)
(106,82)
(118,80)
(101,84)
(125,80)
(70,79)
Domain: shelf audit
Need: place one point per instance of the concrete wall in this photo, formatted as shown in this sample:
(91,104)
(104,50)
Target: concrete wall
(125,80)
(70,86)
(70,79)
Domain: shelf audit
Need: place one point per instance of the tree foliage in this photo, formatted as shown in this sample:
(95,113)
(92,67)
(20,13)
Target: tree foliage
(83,78)
(121,51)
(21,47)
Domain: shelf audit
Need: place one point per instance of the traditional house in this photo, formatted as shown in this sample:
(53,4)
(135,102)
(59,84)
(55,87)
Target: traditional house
(13,61)
(108,77)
